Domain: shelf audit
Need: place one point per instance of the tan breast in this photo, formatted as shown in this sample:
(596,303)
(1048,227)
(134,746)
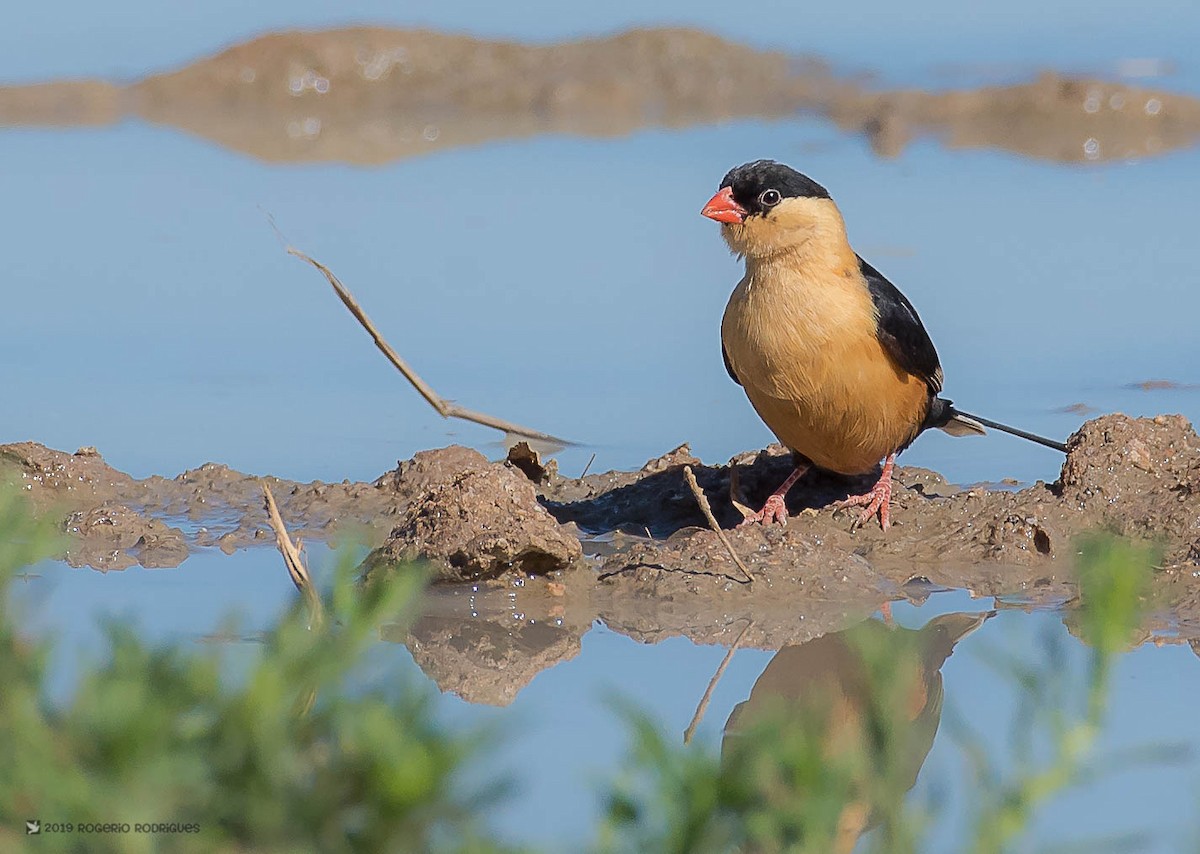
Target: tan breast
(805,349)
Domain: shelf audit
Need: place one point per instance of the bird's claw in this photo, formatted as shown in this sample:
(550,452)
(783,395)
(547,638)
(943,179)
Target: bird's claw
(876,501)
(773,511)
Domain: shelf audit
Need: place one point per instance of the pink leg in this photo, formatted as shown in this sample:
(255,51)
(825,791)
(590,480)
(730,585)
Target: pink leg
(877,500)
(774,510)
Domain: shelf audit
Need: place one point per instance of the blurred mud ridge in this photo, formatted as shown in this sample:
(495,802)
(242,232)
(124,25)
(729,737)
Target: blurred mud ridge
(527,559)
(372,95)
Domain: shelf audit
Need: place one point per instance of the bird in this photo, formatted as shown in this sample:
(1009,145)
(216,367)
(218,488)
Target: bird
(839,689)
(833,357)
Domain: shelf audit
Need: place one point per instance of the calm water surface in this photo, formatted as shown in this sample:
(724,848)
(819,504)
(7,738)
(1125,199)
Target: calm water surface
(570,284)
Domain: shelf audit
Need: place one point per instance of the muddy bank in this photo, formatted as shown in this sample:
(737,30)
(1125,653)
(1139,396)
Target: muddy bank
(370,95)
(535,558)
(114,521)
(1138,477)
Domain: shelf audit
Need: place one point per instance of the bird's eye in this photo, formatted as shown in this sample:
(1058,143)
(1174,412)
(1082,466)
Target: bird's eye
(769,198)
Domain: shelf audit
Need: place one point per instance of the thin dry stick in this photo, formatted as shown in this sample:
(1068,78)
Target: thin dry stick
(591,460)
(712,686)
(445,408)
(702,500)
(292,560)
(735,493)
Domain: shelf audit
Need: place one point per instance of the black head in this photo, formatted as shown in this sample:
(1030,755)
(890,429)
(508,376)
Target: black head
(763,184)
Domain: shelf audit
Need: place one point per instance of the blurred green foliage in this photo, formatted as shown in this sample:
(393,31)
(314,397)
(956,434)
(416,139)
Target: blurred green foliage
(810,773)
(778,790)
(1114,579)
(302,754)
(306,752)
(816,777)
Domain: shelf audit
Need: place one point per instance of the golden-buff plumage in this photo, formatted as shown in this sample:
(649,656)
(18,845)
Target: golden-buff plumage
(800,333)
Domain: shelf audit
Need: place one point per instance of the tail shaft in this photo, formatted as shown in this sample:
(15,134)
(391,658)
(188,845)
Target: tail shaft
(1013,431)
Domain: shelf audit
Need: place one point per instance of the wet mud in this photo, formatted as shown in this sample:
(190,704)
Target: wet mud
(481,523)
(528,560)
(371,95)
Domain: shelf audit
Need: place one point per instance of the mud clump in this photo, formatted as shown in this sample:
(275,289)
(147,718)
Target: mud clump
(1141,476)
(480,523)
(411,479)
(56,477)
(112,536)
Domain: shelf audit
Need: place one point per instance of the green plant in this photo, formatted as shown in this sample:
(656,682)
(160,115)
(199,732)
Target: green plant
(809,766)
(160,748)
(1114,579)
(304,752)
(814,773)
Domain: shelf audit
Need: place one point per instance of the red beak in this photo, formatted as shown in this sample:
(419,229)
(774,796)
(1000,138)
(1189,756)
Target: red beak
(723,208)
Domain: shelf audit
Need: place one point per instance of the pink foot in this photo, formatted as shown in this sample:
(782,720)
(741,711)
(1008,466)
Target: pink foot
(773,511)
(877,500)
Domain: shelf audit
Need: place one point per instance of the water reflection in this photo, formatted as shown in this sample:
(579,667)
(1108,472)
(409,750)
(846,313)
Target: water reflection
(835,689)
(371,95)
(485,662)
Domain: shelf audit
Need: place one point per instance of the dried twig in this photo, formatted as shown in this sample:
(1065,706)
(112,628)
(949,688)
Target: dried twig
(295,564)
(735,493)
(444,408)
(591,460)
(712,686)
(702,500)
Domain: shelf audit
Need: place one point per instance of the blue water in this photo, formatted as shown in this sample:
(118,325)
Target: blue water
(571,285)
(564,737)
(158,318)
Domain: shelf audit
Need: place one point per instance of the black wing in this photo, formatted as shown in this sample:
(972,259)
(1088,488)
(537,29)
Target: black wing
(729,367)
(900,330)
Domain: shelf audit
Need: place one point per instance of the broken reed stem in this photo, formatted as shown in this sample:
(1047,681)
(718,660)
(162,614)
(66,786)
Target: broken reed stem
(702,500)
(712,685)
(444,408)
(292,560)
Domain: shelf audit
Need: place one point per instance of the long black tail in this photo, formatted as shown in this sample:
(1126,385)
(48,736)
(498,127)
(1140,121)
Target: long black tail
(958,414)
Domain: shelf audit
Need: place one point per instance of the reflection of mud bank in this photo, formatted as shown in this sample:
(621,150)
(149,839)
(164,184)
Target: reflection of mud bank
(371,95)
(651,571)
